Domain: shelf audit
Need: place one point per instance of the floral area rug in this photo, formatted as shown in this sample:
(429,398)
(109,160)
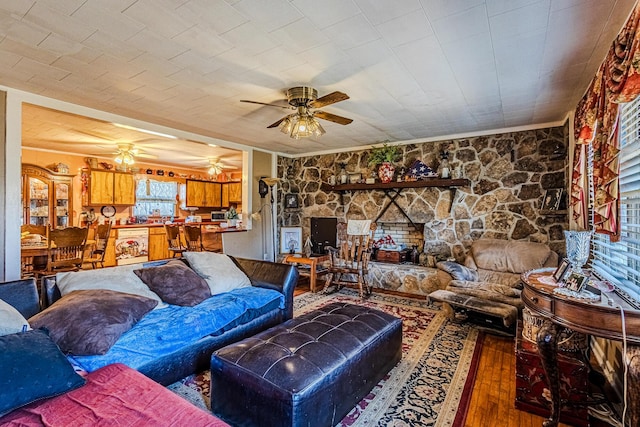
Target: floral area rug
(431,386)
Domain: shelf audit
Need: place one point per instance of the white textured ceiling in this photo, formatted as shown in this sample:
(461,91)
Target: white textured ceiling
(413,68)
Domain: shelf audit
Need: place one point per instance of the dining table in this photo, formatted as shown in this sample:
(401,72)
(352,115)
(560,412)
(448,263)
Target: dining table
(30,251)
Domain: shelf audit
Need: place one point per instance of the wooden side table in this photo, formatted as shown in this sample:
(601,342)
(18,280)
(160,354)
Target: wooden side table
(314,270)
(602,319)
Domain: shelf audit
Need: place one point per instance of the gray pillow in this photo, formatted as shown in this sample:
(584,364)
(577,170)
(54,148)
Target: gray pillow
(175,283)
(11,321)
(220,272)
(458,271)
(90,322)
(120,278)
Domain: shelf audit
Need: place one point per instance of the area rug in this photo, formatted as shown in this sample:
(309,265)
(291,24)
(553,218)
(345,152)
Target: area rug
(431,386)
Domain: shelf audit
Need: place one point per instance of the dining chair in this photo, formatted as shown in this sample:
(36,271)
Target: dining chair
(96,258)
(193,237)
(351,258)
(65,250)
(173,238)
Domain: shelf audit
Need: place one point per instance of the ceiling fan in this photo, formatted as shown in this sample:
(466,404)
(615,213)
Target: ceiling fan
(303,123)
(126,154)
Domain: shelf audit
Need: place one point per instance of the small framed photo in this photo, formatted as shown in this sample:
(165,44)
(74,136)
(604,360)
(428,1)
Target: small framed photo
(562,270)
(576,281)
(291,201)
(552,199)
(290,240)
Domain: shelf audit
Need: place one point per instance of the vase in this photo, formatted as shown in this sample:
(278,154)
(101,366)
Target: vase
(232,222)
(385,172)
(577,245)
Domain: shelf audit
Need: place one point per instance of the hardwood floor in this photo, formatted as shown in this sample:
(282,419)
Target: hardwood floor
(493,396)
(494,390)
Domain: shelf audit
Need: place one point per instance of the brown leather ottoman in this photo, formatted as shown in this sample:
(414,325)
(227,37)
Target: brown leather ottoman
(309,371)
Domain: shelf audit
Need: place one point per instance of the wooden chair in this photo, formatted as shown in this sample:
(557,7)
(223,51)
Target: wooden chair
(31,262)
(173,238)
(65,250)
(193,237)
(96,258)
(351,258)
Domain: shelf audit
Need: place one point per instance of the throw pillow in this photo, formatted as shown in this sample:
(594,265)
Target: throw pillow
(11,321)
(175,283)
(220,272)
(90,322)
(121,279)
(31,368)
(458,271)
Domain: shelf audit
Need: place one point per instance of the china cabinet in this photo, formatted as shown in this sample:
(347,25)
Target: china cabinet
(46,197)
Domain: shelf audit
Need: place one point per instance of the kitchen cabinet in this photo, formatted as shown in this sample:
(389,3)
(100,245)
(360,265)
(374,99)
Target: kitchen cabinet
(203,194)
(158,245)
(231,194)
(46,197)
(102,188)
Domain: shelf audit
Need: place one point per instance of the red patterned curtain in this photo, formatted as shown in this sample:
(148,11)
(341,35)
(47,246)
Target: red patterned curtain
(596,124)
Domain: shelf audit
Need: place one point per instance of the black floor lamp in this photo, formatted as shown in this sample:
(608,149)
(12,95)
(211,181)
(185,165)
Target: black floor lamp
(271,182)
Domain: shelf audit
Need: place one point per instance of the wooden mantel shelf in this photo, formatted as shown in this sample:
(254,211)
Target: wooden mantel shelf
(393,189)
(429,182)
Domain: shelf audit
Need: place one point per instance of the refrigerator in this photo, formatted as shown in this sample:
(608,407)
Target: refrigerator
(132,245)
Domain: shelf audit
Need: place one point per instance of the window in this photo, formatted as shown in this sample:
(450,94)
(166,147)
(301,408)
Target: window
(620,261)
(155,195)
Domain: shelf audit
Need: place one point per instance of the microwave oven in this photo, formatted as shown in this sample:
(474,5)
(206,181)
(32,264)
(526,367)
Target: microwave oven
(217,215)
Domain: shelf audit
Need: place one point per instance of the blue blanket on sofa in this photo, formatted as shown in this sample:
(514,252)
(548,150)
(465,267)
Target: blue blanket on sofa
(165,330)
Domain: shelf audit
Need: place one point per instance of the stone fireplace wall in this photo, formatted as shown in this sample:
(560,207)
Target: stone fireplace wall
(509,174)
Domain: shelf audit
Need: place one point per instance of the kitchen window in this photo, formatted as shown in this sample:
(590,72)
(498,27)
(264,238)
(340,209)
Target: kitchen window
(155,198)
(620,261)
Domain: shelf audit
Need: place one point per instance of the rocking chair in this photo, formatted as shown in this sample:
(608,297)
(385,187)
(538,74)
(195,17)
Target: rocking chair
(349,261)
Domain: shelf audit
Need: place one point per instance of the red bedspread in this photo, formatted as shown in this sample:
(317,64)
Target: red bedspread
(114,395)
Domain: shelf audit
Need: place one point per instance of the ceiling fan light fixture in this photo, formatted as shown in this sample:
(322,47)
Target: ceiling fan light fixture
(286,125)
(124,156)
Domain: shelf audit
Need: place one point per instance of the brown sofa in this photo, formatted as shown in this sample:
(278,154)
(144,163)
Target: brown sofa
(487,287)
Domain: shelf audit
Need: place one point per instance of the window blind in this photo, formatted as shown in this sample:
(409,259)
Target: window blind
(620,261)
(154,195)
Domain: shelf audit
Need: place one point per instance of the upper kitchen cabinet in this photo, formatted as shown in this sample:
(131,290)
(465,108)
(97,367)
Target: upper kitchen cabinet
(231,194)
(203,194)
(46,196)
(101,187)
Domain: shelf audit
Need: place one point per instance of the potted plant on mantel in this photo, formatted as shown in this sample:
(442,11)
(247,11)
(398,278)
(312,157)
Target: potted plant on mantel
(231,216)
(384,156)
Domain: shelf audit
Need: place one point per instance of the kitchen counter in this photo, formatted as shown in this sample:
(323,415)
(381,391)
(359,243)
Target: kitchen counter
(207,227)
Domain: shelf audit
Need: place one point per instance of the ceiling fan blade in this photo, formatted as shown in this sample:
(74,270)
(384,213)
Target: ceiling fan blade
(264,103)
(276,124)
(328,99)
(332,117)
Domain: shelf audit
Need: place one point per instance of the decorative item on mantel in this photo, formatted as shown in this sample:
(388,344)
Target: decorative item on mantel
(418,170)
(385,156)
(343,176)
(444,165)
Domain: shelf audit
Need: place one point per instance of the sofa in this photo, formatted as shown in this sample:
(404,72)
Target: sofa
(486,287)
(169,342)
(40,386)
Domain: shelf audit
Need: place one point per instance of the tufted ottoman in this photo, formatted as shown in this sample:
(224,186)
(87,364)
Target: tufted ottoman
(309,371)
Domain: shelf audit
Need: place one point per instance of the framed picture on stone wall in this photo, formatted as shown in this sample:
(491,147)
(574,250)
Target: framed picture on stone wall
(290,240)
(552,199)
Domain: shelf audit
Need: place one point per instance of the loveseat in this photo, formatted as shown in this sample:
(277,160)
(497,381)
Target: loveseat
(170,342)
(486,287)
